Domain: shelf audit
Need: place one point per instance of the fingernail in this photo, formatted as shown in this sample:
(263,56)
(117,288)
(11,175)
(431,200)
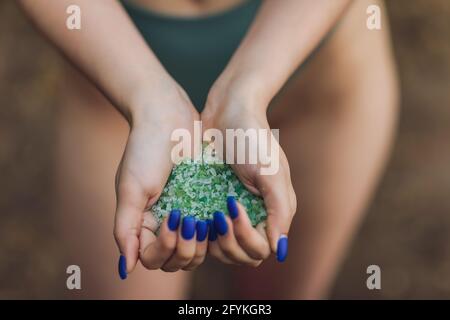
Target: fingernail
(188,227)
(220,223)
(174,219)
(282,248)
(122,267)
(232,207)
(202,230)
(212,235)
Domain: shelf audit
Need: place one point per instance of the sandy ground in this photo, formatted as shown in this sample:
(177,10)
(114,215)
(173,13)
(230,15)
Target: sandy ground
(407,230)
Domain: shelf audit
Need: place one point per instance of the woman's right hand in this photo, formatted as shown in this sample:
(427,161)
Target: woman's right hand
(142,174)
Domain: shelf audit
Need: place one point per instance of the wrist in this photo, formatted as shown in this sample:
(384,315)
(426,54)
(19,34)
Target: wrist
(165,103)
(244,90)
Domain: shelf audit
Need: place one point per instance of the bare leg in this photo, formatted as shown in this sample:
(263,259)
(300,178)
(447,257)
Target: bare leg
(336,123)
(91,139)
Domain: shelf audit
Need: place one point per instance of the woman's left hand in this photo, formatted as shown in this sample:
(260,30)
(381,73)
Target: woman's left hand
(235,240)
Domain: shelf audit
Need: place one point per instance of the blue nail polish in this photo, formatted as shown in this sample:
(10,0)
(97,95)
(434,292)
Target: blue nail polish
(188,227)
(212,235)
(202,230)
(122,267)
(282,248)
(232,207)
(220,223)
(174,219)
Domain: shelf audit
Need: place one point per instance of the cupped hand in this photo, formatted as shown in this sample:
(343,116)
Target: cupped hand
(235,240)
(142,174)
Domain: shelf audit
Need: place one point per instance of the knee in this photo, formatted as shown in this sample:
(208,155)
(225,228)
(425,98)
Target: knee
(377,93)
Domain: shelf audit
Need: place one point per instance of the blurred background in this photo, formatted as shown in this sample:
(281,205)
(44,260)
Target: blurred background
(407,229)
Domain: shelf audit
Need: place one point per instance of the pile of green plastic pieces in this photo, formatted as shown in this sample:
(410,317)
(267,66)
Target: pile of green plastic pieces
(199,189)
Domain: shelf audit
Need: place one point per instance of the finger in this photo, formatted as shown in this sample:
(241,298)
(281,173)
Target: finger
(213,246)
(127,227)
(250,240)
(201,245)
(185,250)
(148,230)
(228,243)
(277,194)
(157,250)
(261,228)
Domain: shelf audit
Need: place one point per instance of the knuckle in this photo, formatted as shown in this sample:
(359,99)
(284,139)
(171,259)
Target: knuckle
(293,203)
(167,244)
(253,263)
(214,251)
(256,264)
(199,255)
(240,237)
(199,261)
(117,231)
(227,250)
(189,268)
(184,257)
(194,264)
(169,269)
(266,253)
(292,214)
(119,235)
(148,266)
(261,254)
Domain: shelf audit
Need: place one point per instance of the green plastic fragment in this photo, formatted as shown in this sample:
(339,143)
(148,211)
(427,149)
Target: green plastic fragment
(199,189)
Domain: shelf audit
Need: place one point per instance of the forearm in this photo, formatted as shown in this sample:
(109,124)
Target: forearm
(108,49)
(283,34)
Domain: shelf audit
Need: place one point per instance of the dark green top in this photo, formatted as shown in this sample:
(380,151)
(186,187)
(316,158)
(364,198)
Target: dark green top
(194,50)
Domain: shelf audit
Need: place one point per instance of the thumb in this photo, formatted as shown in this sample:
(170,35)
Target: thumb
(276,195)
(127,228)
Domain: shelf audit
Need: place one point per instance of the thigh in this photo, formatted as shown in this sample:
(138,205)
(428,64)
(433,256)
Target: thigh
(91,139)
(336,120)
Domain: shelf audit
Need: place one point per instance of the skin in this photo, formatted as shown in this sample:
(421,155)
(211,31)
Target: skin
(138,185)
(239,98)
(337,119)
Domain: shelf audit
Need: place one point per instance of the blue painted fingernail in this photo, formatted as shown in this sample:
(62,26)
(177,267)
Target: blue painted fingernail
(122,267)
(174,219)
(212,235)
(188,227)
(202,230)
(220,223)
(232,207)
(282,248)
